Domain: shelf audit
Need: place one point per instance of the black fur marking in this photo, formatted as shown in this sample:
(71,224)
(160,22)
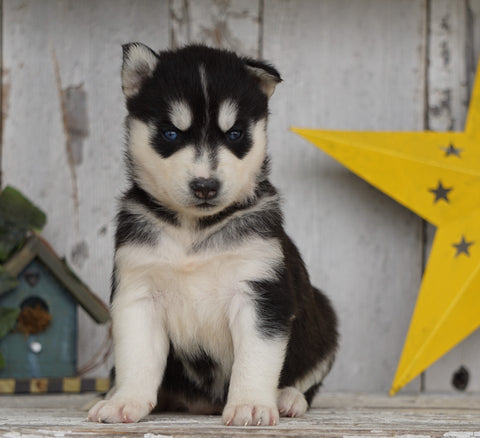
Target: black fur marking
(313,337)
(134,228)
(177,381)
(311,392)
(204,367)
(270,69)
(208,221)
(264,189)
(241,227)
(113,283)
(273,305)
(140,196)
(240,221)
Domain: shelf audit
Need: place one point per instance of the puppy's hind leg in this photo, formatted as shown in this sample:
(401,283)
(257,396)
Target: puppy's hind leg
(291,402)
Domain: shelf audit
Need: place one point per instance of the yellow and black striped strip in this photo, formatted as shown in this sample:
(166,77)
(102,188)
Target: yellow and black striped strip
(53,385)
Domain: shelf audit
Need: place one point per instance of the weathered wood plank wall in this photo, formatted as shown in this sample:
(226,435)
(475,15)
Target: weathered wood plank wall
(454,47)
(368,64)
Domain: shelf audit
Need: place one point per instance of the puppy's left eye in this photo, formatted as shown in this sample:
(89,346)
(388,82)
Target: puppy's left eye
(234,134)
(170,134)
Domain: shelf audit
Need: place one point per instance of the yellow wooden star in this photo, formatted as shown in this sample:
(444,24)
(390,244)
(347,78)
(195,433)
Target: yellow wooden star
(436,175)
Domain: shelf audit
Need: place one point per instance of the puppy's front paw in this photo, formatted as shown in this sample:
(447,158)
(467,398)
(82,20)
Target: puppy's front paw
(119,411)
(250,415)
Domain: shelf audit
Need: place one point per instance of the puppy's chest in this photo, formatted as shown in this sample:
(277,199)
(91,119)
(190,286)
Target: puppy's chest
(197,289)
(194,291)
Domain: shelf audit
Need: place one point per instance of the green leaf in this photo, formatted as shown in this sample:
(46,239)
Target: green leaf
(10,238)
(2,361)
(18,215)
(7,281)
(8,319)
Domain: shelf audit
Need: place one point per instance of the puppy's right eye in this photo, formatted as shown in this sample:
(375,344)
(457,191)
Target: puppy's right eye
(170,134)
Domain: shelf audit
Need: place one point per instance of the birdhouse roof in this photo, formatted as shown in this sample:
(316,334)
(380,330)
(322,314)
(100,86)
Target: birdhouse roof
(37,247)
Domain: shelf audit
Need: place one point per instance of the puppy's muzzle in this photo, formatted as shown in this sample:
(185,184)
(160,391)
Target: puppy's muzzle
(205,188)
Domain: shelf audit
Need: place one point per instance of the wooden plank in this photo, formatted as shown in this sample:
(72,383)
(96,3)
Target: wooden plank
(473,31)
(62,60)
(448,91)
(22,258)
(350,65)
(83,296)
(339,415)
(454,47)
(230,24)
(339,74)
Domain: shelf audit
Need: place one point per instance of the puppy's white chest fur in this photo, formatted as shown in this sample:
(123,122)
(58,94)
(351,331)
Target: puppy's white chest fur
(195,292)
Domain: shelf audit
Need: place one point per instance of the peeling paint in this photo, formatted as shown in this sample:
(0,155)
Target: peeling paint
(68,141)
(219,33)
(5,95)
(180,16)
(76,119)
(217,30)
(471,61)
(445,23)
(445,53)
(443,107)
(79,254)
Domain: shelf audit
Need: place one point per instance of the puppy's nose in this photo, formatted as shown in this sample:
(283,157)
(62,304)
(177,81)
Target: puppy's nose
(205,188)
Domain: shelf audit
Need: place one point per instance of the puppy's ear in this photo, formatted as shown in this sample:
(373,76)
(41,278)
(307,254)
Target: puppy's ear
(139,62)
(266,74)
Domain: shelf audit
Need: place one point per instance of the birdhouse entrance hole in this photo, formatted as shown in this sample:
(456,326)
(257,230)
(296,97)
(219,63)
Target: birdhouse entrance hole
(34,316)
(33,302)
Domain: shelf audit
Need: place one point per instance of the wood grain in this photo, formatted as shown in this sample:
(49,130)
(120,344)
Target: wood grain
(337,415)
(454,53)
(346,65)
(344,68)
(228,24)
(50,47)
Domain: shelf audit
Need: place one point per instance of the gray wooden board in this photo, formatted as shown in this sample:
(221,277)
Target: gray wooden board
(360,246)
(51,49)
(454,47)
(336,415)
(233,24)
(347,65)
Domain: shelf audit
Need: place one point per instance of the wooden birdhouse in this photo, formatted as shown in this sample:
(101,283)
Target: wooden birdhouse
(44,344)
(40,295)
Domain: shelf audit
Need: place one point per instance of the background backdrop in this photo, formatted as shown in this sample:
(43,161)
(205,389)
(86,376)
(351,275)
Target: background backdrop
(359,65)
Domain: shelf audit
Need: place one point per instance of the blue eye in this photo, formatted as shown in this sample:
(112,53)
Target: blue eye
(170,134)
(234,134)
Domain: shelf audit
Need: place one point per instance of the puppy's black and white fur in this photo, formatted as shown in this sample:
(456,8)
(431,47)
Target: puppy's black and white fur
(212,306)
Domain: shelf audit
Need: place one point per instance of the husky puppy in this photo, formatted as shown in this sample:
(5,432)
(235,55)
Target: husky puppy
(212,306)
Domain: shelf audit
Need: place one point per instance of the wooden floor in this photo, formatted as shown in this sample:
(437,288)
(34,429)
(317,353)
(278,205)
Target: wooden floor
(335,415)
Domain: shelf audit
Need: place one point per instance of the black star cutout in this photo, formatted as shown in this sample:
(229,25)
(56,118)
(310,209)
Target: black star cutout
(452,150)
(441,192)
(462,247)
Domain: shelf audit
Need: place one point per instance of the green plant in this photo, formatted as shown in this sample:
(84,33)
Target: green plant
(8,319)
(18,215)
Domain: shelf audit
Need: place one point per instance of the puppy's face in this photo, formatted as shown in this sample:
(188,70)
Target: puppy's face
(197,125)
